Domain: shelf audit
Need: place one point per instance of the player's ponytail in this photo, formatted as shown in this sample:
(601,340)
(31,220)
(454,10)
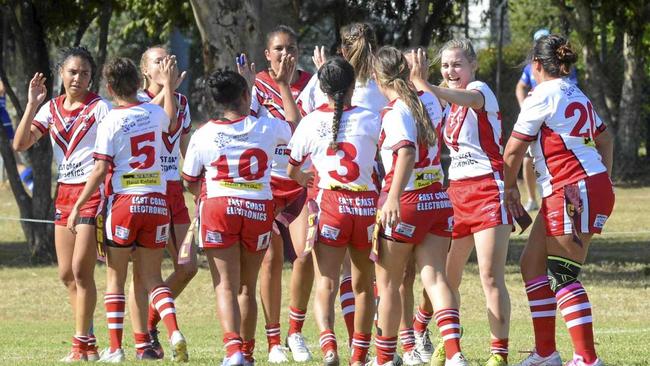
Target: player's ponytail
(358,42)
(336,77)
(392,72)
(555,54)
(227,88)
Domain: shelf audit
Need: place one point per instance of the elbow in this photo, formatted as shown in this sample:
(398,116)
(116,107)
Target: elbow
(19,146)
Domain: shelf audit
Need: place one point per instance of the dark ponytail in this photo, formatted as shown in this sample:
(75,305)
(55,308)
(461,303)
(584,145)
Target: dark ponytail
(227,87)
(336,76)
(81,52)
(555,54)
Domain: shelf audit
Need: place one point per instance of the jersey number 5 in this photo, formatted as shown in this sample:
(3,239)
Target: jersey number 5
(347,161)
(139,147)
(244,166)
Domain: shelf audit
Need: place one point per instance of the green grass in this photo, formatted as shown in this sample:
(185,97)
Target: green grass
(36,321)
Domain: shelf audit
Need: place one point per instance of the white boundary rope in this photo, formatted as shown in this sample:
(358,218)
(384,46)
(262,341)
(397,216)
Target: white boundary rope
(26,220)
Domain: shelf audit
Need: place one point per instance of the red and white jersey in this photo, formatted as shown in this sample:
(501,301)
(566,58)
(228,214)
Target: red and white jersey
(562,124)
(366,95)
(399,129)
(73,135)
(170,155)
(235,156)
(131,139)
(351,167)
(267,102)
(474,136)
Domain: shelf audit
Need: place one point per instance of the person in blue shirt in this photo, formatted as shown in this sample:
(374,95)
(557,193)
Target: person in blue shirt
(526,85)
(4,115)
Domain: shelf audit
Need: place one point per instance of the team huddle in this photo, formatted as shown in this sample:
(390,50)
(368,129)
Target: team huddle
(345,167)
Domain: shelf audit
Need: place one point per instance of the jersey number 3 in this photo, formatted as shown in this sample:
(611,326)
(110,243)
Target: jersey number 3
(347,161)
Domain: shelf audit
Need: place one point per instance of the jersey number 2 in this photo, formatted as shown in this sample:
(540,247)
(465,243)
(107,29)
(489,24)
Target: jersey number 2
(584,114)
(244,166)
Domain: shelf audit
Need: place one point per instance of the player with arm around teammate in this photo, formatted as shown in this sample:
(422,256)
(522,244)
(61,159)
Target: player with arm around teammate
(341,140)
(137,219)
(72,120)
(572,152)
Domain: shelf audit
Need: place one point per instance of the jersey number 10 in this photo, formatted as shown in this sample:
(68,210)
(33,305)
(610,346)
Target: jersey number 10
(244,166)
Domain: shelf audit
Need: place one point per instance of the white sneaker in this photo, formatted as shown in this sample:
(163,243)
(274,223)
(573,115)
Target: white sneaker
(277,354)
(536,360)
(373,362)
(331,358)
(424,346)
(457,360)
(578,361)
(298,348)
(112,357)
(179,347)
(412,358)
(237,359)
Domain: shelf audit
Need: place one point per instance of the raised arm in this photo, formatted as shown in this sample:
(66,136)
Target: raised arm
(283,79)
(27,134)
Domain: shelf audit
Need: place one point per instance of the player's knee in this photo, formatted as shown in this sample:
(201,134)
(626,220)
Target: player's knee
(490,281)
(82,276)
(67,278)
(562,272)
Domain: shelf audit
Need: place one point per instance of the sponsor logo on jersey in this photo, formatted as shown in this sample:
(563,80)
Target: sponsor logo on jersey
(329,232)
(263,241)
(213,237)
(426,178)
(140,179)
(599,221)
(450,224)
(121,232)
(58,215)
(405,229)
(162,233)
(244,186)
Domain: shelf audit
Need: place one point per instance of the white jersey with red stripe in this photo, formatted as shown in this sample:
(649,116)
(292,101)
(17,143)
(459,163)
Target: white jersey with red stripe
(474,136)
(235,156)
(73,135)
(366,95)
(562,124)
(170,155)
(266,101)
(399,129)
(351,166)
(131,139)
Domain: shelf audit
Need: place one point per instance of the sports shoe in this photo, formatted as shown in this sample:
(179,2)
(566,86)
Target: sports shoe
(179,347)
(412,357)
(277,354)
(249,362)
(531,206)
(536,360)
(373,362)
(496,360)
(397,360)
(578,361)
(423,345)
(457,360)
(298,348)
(331,358)
(147,354)
(75,355)
(439,357)
(155,343)
(237,359)
(111,357)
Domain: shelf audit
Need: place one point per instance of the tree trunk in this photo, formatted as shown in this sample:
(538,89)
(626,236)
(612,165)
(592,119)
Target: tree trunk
(105,15)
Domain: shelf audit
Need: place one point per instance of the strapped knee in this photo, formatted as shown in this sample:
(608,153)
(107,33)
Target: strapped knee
(562,272)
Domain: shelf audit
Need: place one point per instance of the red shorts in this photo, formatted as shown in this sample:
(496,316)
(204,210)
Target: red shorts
(597,198)
(66,197)
(478,204)
(423,211)
(285,190)
(346,217)
(226,221)
(176,201)
(140,219)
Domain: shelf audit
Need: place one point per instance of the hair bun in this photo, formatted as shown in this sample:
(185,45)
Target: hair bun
(565,54)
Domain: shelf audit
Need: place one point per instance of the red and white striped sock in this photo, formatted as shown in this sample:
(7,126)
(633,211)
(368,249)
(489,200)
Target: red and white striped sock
(248,348)
(576,310)
(499,347)
(273,335)
(233,343)
(161,297)
(448,321)
(142,342)
(80,344)
(421,320)
(385,348)
(327,341)
(346,296)
(92,340)
(153,317)
(296,320)
(407,339)
(360,347)
(115,304)
(543,307)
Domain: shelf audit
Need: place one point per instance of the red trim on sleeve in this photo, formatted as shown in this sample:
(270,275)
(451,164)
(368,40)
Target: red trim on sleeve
(187,130)
(98,156)
(253,113)
(43,129)
(401,144)
(523,136)
(295,162)
(601,128)
(191,178)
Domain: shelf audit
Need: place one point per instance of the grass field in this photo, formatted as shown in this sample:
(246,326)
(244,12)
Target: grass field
(36,322)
